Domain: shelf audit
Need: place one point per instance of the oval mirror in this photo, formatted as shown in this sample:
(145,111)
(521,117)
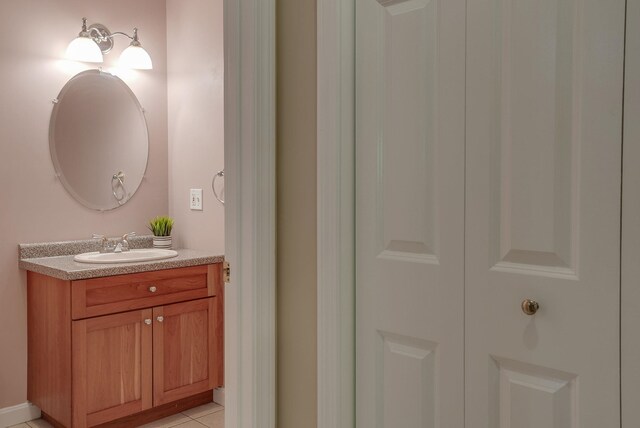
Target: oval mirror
(98,140)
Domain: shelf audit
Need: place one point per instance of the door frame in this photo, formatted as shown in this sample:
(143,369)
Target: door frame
(336,212)
(250,320)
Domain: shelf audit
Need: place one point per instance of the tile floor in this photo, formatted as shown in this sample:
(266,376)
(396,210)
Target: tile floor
(208,415)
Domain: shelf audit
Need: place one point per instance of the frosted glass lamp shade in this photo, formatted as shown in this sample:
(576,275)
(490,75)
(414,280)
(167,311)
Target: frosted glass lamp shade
(84,49)
(136,57)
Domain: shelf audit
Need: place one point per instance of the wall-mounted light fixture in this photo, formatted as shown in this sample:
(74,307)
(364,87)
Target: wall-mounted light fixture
(96,40)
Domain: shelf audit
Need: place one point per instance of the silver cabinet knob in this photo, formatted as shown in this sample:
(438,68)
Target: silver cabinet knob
(529,307)
(147,321)
(160,318)
(153,289)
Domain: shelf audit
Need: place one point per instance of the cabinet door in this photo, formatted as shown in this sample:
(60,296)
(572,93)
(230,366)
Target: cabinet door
(185,350)
(112,367)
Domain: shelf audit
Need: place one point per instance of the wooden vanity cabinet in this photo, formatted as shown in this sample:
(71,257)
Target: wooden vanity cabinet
(160,349)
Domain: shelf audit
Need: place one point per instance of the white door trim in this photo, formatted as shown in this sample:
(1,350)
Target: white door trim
(336,206)
(250,335)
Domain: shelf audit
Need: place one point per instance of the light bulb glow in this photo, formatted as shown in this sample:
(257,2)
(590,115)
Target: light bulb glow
(135,57)
(84,49)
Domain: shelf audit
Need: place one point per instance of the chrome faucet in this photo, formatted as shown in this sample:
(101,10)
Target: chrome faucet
(110,246)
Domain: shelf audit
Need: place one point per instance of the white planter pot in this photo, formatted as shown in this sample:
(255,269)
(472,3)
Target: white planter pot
(162,241)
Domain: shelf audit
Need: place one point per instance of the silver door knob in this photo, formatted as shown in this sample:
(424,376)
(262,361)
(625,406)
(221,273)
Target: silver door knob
(529,307)
(153,289)
(160,318)
(147,321)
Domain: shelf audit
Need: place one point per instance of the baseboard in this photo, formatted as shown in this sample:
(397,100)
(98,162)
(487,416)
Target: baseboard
(218,396)
(18,414)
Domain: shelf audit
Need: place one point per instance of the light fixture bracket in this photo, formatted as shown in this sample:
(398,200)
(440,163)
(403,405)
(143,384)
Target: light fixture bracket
(102,36)
(81,48)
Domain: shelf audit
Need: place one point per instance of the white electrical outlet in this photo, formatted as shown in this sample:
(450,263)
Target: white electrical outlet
(195,199)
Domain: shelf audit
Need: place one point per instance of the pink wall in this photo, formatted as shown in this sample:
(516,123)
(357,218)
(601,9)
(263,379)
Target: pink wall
(34,207)
(195,68)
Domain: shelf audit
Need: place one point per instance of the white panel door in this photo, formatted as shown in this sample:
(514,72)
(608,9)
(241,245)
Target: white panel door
(410,213)
(544,103)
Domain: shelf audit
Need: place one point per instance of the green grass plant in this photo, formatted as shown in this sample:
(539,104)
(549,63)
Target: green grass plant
(161,225)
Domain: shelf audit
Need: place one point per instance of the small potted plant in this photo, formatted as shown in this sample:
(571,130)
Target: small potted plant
(161,228)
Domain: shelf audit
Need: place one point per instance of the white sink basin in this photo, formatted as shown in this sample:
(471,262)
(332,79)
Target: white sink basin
(138,255)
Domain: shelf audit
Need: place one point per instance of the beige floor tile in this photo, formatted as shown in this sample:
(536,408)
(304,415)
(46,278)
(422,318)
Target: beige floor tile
(40,423)
(205,409)
(190,424)
(213,420)
(169,421)
(19,426)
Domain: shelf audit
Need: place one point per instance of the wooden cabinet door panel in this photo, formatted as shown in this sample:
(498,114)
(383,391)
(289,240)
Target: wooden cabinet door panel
(112,366)
(185,350)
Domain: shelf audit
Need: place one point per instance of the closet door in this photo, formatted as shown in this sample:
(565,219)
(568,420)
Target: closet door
(544,102)
(410,213)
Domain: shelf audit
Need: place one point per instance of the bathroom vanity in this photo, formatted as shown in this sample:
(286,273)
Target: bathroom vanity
(123,344)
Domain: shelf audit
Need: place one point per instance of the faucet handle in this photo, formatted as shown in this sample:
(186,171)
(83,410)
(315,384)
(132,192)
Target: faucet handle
(104,242)
(124,244)
(103,239)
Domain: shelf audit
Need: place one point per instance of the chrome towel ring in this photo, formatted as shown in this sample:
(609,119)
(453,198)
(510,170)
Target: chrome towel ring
(213,186)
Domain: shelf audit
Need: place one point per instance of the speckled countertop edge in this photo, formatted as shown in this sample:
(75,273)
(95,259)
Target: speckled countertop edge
(60,263)
(68,248)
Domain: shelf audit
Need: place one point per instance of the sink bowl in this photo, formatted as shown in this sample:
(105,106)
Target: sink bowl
(137,255)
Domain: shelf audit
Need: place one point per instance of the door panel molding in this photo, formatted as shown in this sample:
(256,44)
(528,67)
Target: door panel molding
(545,397)
(535,174)
(410,365)
(407,220)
